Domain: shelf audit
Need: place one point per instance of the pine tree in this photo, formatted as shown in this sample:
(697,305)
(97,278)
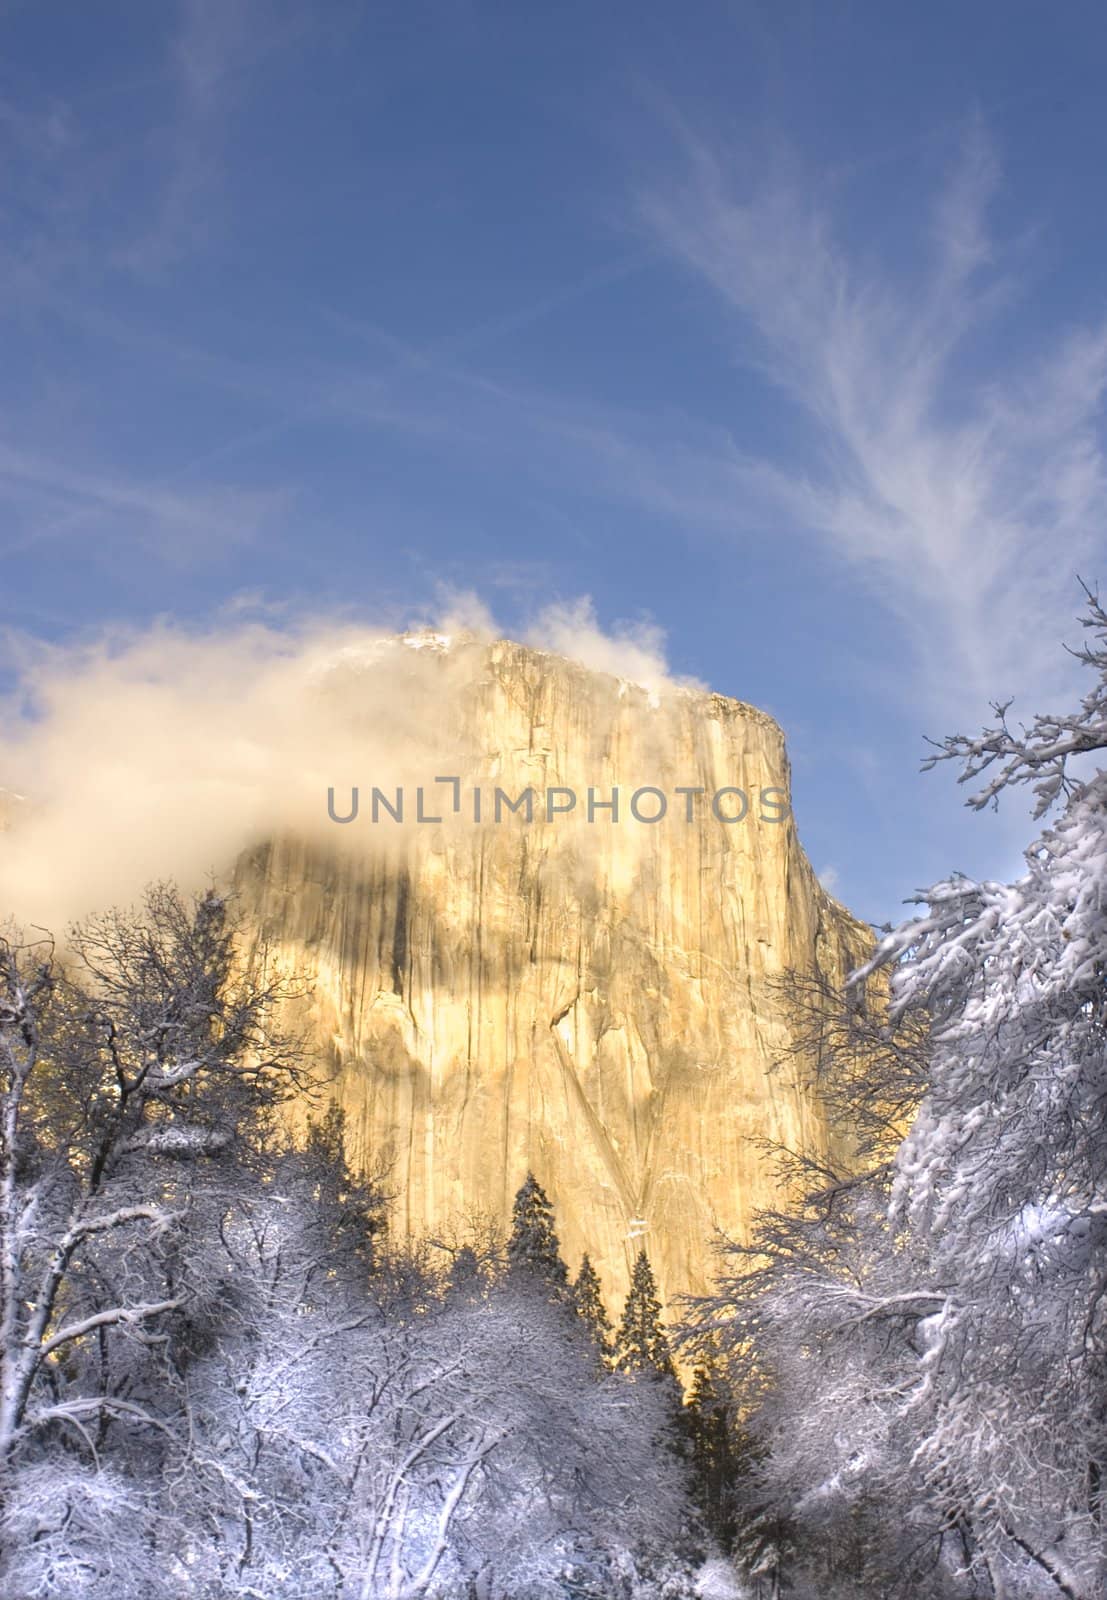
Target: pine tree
(533,1250)
(589,1306)
(349,1206)
(710,1425)
(641,1344)
(466,1279)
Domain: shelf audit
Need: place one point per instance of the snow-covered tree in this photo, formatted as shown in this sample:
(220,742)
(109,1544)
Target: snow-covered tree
(1003,1176)
(922,1337)
(588,1303)
(132,1077)
(533,1249)
(641,1343)
(119,1075)
(466,1276)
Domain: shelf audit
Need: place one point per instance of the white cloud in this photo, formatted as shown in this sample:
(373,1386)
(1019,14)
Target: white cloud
(632,650)
(461,611)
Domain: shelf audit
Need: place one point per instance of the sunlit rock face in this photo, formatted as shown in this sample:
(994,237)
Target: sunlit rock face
(588,1000)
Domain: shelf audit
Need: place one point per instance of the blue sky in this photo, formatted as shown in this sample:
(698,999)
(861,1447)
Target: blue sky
(782,328)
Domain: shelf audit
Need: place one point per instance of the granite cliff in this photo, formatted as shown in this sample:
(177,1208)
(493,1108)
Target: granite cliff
(589,999)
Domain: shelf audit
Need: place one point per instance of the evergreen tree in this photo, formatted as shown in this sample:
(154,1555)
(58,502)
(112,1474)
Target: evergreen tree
(466,1278)
(709,1421)
(641,1344)
(589,1306)
(349,1207)
(533,1250)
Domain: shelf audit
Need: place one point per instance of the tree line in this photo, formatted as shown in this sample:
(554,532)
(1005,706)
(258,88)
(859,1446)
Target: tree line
(220,1377)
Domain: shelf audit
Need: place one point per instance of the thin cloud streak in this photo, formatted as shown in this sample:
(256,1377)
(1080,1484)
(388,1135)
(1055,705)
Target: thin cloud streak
(967,506)
(184,527)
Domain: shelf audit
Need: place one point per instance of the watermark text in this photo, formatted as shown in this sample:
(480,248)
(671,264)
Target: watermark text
(647,804)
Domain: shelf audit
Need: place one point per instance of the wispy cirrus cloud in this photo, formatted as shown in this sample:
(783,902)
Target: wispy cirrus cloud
(966,495)
(81,206)
(213,43)
(46,499)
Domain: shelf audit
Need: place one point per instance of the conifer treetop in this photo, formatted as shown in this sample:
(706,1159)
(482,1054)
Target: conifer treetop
(533,1248)
(588,1303)
(641,1344)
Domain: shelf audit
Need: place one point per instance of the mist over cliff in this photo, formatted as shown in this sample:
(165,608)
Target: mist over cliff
(132,755)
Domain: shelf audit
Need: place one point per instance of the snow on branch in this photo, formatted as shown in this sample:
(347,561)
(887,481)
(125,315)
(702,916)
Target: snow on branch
(1038,754)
